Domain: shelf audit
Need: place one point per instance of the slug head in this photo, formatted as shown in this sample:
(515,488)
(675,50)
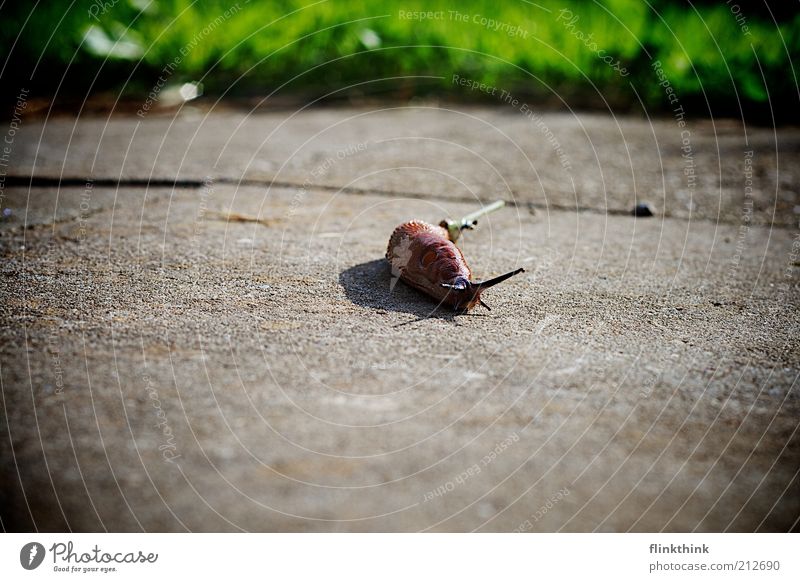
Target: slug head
(468,293)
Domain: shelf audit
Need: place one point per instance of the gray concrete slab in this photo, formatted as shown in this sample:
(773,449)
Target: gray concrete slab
(167,368)
(701,169)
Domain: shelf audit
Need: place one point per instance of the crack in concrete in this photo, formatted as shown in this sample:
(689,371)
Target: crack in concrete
(196,183)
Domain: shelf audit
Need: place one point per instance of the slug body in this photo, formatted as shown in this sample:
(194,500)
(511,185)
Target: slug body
(423,256)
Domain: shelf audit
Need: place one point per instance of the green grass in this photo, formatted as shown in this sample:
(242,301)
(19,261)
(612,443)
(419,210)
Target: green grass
(306,47)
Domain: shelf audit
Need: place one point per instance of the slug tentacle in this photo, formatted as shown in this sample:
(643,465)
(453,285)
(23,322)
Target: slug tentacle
(424,256)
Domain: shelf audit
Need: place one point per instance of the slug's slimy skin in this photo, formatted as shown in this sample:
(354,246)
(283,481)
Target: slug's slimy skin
(423,256)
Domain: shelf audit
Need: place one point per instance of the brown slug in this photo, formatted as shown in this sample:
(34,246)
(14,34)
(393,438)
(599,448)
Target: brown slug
(425,257)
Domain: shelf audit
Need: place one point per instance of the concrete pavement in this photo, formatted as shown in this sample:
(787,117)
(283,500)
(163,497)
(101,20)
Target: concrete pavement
(226,355)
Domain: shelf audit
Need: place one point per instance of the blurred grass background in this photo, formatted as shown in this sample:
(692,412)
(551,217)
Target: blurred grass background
(308,49)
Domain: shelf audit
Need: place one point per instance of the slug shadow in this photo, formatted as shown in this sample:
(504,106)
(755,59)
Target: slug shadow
(368,285)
